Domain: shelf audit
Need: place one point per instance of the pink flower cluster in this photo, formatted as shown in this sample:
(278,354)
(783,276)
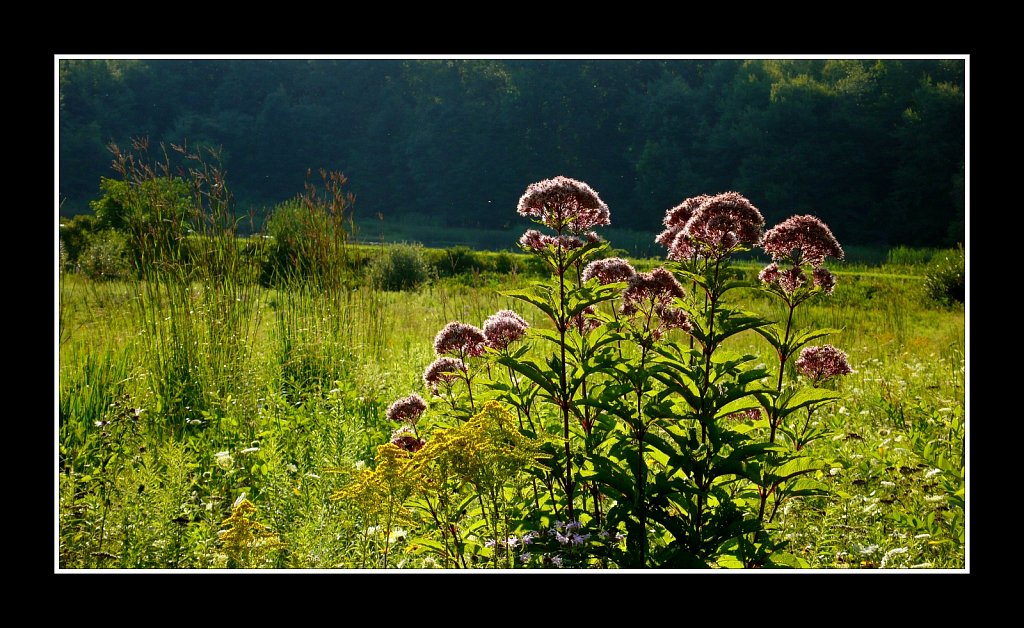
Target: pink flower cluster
(610,270)
(405,438)
(675,221)
(658,287)
(460,339)
(585,321)
(801,240)
(442,371)
(504,327)
(821,363)
(407,410)
(535,240)
(654,292)
(710,226)
(564,204)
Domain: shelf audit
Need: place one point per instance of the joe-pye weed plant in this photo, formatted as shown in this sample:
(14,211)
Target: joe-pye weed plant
(654,444)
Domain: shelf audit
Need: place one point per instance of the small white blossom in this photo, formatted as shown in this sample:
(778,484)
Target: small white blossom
(891,553)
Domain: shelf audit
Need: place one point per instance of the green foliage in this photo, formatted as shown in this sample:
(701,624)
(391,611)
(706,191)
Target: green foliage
(877,147)
(75,236)
(308,236)
(399,267)
(153,212)
(106,257)
(946,280)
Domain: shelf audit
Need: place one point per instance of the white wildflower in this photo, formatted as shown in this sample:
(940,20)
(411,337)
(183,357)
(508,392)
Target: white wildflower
(893,552)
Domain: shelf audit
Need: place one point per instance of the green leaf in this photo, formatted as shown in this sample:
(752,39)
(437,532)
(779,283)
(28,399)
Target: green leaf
(532,372)
(426,545)
(583,297)
(584,250)
(805,397)
(771,334)
(803,337)
(747,402)
(784,560)
(733,322)
(531,297)
(608,477)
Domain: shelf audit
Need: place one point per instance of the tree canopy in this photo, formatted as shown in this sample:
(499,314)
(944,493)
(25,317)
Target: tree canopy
(876,148)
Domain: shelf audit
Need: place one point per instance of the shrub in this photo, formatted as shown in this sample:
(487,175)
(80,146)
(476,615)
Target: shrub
(75,235)
(106,256)
(309,235)
(399,267)
(945,281)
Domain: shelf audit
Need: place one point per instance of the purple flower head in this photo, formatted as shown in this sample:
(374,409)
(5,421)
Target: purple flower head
(720,223)
(821,363)
(824,279)
(442,371)
(459,339)
(610,270)
(802,240)
(673,317)
(565,242)
(769,274)
(675,220)
(681,248)
(585,321)
(405,438)
(504,327)
(678,216)
(562,203)
(791,279)
(532,239)
(658,287)
(407,410)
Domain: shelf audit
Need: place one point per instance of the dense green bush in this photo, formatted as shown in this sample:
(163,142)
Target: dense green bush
(75,235)
(399,267)
(303,243)
(946,279)
(106,256)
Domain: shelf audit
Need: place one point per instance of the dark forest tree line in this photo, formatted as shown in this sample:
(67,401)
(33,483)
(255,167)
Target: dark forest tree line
(874,147)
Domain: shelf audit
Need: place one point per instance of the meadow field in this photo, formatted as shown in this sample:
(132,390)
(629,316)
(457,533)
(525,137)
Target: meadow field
(208,420)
